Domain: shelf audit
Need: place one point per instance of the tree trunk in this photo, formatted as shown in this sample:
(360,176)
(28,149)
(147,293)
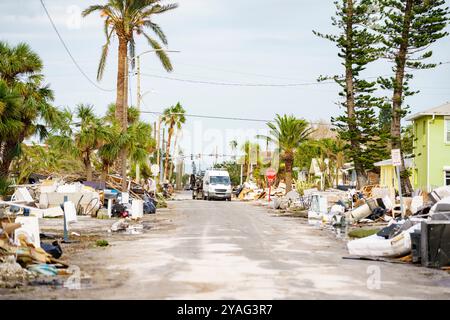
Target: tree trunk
(9,152)
(337,176)
(88,166)
(288,163)
(174,151)
(361,175)
(104,174)
(121,103)
(166,164)
(7,157)
(397,99)
(4,168)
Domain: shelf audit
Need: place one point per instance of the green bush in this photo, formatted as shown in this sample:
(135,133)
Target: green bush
(102,243)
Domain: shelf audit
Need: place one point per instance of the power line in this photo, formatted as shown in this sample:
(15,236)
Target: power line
(230,84)
(239,72)
(213,117)
(230,118)
(68,51)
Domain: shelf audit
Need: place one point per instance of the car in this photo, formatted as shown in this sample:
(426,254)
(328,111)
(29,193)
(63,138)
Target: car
(216,185)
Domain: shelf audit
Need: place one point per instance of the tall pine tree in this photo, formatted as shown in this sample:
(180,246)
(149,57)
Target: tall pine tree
(358,46)
(409,28)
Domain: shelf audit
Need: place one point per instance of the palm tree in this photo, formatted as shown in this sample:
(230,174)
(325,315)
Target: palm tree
(90,137)
(126,19)
(140,143)
(174,117)
(136,140)
(45,159)
(288,133)
(82,138)
(25,108)
(249,150)
(108,153)
(333,151)
(234,145)
(177,134)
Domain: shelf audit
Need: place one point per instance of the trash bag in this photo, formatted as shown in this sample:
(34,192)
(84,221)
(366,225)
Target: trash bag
(54,249)
(389,231)
(423,210)
(149,207)
(118,210)
(44,269)
(238,191)
(377,213)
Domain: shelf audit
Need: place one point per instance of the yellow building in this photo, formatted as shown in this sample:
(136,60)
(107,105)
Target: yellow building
(388,175)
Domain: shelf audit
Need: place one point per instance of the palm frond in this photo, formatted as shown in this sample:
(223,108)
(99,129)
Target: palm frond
(157,30)
(92,8)
(132,52)
(104,55)
(164,8)
(160,53)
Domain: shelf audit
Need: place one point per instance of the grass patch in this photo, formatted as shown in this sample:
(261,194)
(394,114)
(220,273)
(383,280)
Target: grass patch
(362,233)
(101,243)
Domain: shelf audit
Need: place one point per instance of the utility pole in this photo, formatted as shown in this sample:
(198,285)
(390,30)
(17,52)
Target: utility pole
(158,147)
(138,91)
(217,157)
(138,80)
(242,173)
(161,171)
(124,125)
(138,105)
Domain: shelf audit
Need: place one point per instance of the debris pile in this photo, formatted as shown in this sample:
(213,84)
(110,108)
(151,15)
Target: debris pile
(127,226)
(250,191)
(12,275)
(417,227)
(22,255)
(421,233)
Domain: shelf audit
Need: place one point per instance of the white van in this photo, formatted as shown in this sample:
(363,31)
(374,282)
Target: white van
(216,185)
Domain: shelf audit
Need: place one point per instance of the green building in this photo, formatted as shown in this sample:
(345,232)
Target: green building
(431,165)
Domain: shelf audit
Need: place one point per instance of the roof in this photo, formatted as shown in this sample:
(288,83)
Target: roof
(443,110)
(388,162)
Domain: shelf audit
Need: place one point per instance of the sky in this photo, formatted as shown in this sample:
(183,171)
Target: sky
(236,41)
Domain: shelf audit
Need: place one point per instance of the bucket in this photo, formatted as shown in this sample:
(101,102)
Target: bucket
(137,208)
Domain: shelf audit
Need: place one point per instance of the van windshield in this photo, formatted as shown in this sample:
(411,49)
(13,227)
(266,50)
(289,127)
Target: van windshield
(220,180)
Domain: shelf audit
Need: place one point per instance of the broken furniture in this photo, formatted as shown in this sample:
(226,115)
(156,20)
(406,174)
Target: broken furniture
(435,243)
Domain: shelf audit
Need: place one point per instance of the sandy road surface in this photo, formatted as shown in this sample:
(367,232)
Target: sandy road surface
(218,250)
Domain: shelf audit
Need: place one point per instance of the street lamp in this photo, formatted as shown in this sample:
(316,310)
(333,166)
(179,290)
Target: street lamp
(138,72)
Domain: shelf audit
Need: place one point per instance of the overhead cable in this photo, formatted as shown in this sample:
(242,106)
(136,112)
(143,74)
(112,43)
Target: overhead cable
(69,53)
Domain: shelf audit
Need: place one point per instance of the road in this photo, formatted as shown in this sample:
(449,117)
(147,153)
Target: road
(223,250)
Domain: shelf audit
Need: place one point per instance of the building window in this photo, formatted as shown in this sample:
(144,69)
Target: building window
(447,130)
(447,178)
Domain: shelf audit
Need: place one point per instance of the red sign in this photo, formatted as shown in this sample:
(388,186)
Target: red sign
(271,174)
